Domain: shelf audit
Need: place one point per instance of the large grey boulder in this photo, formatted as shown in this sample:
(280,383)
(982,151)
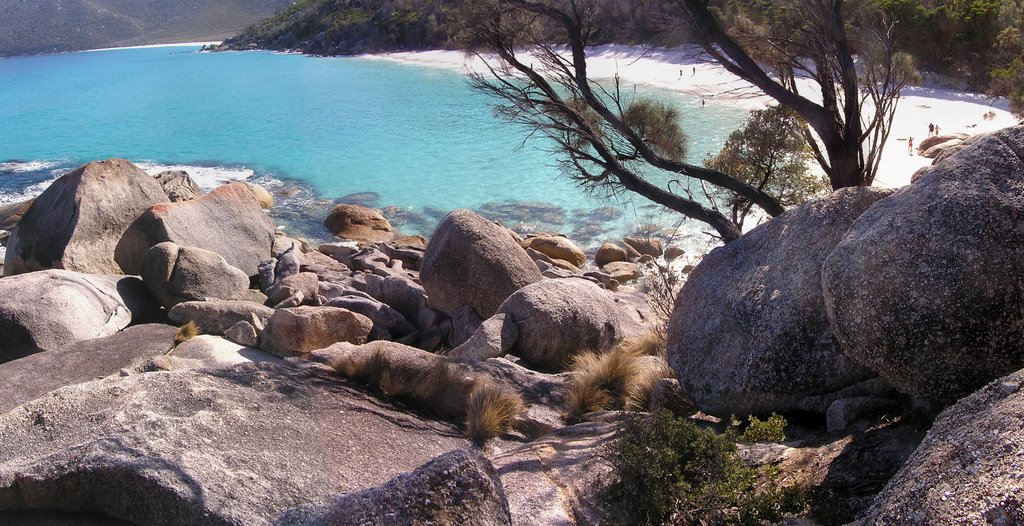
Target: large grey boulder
(457,488)
(968,468)
(235,446)
(33,376)
(47,310)
(228,221)
(178,274)
(178,185)
(387,322)
(926,287)
(78,222)
(749,334)
(547,323)
(472,261)
(216,317)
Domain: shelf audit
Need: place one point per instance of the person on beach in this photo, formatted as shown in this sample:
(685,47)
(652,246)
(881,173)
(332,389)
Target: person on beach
(695,71)
(910,146)
(931,129)
(936,130)
(702,101)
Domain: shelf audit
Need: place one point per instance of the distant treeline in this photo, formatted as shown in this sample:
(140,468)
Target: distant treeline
(344,27)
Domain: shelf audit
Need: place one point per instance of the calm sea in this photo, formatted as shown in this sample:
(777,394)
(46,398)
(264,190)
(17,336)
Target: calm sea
(414,140)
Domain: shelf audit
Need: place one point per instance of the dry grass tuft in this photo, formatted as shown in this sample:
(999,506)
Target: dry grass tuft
(186,332)
(600,381)
(654,343)
(491,411)
(437,388)
(640,390)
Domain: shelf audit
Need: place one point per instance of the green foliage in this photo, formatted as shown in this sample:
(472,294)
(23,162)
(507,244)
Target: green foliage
(658,124)
(670,471)
(770,153)
(771,430)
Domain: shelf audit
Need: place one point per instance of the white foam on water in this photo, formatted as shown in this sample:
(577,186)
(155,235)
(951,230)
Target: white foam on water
(27,166)
(207,177)
(25,194)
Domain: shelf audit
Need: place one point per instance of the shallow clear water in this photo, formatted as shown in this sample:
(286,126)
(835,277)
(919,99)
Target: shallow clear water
(410,137)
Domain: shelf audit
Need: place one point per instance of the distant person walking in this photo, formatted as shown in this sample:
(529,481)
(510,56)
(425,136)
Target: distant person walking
(910,146)
(695,71)
(931,129)
(936,130)
(702,101)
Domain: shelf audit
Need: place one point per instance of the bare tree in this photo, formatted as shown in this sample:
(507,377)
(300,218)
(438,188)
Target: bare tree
(610,140)
(852,110)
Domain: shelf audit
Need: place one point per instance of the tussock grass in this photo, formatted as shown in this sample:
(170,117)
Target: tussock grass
(491,411)
(186,332)
(620,379)
(654,343)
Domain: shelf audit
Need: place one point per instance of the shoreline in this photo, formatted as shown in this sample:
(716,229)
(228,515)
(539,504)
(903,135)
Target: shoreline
(681,71)
(150,46)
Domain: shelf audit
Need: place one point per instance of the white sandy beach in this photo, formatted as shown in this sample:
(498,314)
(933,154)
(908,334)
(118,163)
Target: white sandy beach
(681,71)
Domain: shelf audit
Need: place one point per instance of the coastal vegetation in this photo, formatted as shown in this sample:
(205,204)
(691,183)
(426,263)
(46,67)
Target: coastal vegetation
(52,26)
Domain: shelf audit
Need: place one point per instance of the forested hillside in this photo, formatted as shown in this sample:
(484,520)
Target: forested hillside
(45,26)
(339,27)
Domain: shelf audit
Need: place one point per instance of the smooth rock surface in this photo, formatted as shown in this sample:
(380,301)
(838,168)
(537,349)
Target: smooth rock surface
(749,334)
(177,274)
(272,438)
(471,261)
(228,221)
(34,376)
(926,288)
(79,221)
(557,247)
(50,309)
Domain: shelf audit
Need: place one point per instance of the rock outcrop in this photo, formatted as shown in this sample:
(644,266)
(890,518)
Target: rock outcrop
(78,222)
(241,445)
(178,185)
(47,310)
(968,468)
(178,274)
(298,331)
(471,261)
(926,287)
(33,376)
(458,488)
(749,334)
(11,213)
(359,223)
(547,323)
(557,247)
(228,221)
(216,317)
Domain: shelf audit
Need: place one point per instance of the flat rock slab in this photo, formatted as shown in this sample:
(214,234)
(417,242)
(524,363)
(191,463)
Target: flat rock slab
(193,447)
(33,376)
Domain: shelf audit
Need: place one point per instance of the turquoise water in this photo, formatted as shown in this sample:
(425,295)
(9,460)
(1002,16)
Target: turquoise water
(417,139)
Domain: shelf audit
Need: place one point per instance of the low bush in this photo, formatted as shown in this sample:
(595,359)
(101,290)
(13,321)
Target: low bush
(670,471)
(491,411)
(771,430)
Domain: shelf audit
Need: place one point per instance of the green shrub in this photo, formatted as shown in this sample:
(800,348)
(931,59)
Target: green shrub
(670,471)
(771,430)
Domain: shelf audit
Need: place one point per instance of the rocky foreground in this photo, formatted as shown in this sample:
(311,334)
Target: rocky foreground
(169,357)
